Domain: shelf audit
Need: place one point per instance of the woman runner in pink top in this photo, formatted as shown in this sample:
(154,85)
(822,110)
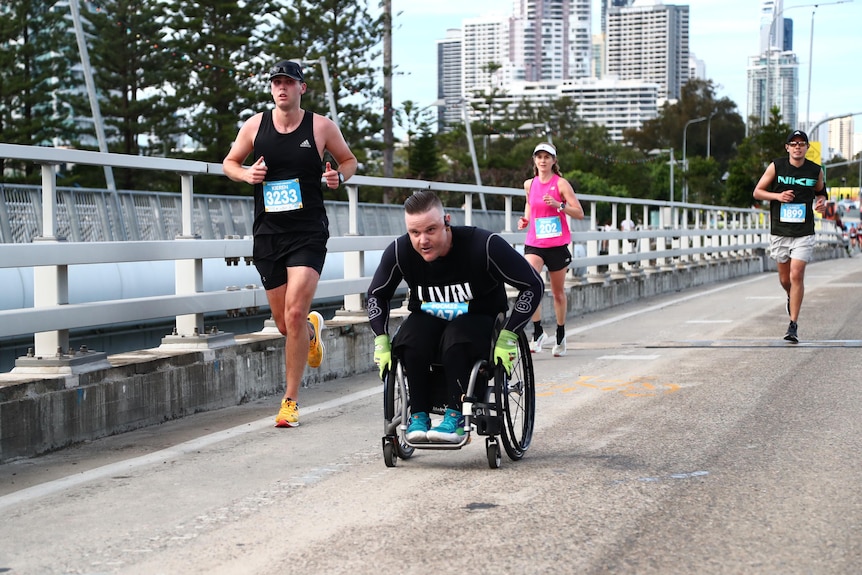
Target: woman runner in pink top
(550,198)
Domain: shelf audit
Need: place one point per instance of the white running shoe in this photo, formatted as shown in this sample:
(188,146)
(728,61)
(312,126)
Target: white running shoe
(560,349)
(536,345)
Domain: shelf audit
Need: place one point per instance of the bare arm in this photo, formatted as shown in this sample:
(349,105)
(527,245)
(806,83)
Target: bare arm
(329,138)
(820,194)
(242,147)
(573,205)
(524,220)
(761,191)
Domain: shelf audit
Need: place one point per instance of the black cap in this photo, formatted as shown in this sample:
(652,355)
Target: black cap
(286,68)
(796,134)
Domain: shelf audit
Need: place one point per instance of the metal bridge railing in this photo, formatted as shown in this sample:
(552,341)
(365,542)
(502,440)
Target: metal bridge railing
(188,229)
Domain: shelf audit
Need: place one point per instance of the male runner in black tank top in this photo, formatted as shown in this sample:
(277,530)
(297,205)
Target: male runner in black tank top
(795,189)
(287,145)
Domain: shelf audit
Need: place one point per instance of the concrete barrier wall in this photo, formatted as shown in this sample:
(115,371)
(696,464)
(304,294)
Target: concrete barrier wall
(41,414)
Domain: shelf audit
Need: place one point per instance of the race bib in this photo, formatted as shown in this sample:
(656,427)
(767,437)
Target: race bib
(282,196)
(445,310)
(792,213)
(548,227)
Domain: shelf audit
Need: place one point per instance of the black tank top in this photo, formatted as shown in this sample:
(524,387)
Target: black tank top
(795,219)
(292,162)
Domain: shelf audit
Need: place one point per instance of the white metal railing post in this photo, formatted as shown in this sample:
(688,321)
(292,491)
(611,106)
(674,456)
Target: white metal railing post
(507,225)
(697,241)
(50,283)
(593,246)
(187,205)
(661,242)
(354,262)
(468,209)
(614,248)
(189,274)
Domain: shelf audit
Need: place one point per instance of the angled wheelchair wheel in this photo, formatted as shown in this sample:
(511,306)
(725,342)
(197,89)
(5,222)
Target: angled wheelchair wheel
(518,401)
(395,396)
(492,448)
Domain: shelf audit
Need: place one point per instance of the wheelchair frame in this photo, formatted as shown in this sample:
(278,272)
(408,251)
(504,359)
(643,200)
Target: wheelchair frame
(495,404)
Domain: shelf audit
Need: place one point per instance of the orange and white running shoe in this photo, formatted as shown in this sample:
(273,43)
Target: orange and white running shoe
(316,350)
(288,415)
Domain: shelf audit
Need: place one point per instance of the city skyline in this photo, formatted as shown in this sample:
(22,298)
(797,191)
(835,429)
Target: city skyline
(723,33)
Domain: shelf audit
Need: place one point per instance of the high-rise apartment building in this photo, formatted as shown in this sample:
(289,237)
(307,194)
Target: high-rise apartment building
(547,43)
(449,92)
(606,4)
(486,54)
(648,41)
(775,32)
(541,40)
(616,104)
(696,68)
(773,75)
(841,137)
(773,80)
(598,56)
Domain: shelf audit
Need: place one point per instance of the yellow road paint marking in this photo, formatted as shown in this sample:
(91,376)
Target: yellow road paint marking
(638,387)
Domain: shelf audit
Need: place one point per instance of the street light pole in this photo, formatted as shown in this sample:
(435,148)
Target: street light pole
(327,83)
(810,54)
(672,162)
(812,133)
(472,147)
(708,132)
(684,161)
(765,119)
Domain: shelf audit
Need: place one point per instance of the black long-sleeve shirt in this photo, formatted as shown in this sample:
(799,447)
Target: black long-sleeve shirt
(470,278)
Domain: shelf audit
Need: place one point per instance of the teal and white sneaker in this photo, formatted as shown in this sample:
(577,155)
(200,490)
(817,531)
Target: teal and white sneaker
(450,430)
(417,431)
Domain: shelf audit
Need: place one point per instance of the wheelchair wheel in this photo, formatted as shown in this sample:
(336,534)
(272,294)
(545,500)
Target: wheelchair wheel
(390,454)
(518,401)
(492,448)
(394,397)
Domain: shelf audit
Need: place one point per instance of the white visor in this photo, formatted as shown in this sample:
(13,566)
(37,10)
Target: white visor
(543,147)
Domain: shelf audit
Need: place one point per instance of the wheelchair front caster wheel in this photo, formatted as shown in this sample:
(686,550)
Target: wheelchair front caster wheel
(390,455)
(495,456)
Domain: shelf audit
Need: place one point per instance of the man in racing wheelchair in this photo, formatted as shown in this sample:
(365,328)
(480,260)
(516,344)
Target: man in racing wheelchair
(456,277)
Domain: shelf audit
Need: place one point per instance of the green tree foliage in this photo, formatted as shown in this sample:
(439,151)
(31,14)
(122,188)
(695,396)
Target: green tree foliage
(421,145)
(128,57)
(846,175)
(214,44)
(718,136)
(347,36)
(697,100)
(35,72)
(178,78)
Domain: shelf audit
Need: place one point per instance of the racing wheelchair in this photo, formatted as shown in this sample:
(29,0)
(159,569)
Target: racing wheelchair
(495,405)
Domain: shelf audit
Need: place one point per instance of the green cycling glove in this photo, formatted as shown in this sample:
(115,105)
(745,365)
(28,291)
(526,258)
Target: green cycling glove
(382,354)
(506,350)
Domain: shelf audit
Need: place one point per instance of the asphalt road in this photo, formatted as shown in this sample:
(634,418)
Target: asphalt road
(679,435)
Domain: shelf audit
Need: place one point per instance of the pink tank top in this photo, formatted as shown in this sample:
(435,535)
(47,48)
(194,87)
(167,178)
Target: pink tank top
(548,228)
